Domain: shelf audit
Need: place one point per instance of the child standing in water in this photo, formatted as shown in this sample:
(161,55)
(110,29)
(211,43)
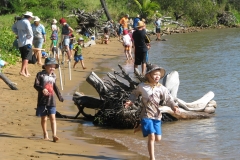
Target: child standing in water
(45,84)
(78,53)
(152,93)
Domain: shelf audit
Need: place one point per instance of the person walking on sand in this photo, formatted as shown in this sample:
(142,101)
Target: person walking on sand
(54,38)
(141,41)
(127,43)
(78,53)
(152,93)
(23,30)
(65,39)
(45,84)
(135,22)
(124,22)
(39,37)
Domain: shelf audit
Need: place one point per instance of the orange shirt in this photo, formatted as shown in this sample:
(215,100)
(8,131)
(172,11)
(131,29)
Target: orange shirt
(124,22)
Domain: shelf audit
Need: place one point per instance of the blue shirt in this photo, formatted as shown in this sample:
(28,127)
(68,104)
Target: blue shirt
(135,22)
(23,30)
(38,31)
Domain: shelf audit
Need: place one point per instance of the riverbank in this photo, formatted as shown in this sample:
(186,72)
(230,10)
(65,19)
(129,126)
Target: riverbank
(20,130)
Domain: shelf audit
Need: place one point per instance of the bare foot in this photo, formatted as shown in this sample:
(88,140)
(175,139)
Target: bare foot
(84,68)
(136,128)
(23,74)
(45,137)
(55,138)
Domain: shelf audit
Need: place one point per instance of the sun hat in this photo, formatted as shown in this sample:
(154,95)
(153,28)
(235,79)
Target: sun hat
(153,67)
(54,21)
(36,19)
(62,20)
(140,24)
(49,61)
(80,39)
(30,14)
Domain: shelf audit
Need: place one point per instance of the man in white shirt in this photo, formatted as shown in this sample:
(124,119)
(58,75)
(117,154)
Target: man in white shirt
(23,30)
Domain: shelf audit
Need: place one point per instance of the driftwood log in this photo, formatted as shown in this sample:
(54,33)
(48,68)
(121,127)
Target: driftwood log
(8,82)
(114,93)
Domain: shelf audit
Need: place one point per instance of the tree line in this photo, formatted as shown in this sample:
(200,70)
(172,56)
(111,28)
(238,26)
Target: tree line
(191,12)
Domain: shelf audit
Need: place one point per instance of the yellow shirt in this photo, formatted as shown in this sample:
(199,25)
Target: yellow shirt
(124,22)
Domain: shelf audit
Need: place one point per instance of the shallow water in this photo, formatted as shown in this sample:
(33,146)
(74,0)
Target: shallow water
(206,61)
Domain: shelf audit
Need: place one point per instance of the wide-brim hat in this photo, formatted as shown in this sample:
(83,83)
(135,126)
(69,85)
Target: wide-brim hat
(30,14)
(36,19)
(140,24)
(49,61)
(80,39)
(153,67)
(54,21)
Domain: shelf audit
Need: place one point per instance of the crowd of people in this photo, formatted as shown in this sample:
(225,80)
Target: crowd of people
(132,34)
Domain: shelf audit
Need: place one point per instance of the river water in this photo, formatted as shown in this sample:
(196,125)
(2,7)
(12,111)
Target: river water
(206,61)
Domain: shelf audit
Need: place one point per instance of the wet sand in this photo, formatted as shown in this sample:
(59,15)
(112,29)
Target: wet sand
(20,130)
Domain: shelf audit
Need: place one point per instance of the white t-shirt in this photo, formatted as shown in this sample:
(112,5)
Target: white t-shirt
(126,40)
(54,27)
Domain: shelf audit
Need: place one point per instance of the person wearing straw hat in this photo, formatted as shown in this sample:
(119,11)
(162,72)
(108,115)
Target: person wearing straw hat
(141,41)
(23,30)
(45,84)
(39,37)
(152,93)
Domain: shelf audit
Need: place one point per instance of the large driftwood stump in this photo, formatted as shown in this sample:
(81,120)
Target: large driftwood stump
(114,93)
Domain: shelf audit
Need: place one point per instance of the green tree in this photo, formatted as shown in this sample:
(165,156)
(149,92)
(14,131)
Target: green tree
(147,8)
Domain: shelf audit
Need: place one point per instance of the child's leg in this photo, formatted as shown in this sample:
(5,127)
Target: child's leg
(151,139)
(82,63)
(53,127)
(126,53)
(74,65)
(44,127)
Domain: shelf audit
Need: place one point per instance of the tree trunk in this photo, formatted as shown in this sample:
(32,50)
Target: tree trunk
(8,82)
(105,9)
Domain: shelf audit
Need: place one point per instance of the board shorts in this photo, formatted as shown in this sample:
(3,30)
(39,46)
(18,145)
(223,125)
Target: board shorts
(77,58)
(66,41)
(38,43)
(54,42)
(158,30)
(150,126)
(140,57)
(26,52)
(45,110)
(71,46)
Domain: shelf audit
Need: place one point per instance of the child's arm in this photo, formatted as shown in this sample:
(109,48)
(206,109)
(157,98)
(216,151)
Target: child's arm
(167,97)
(132,98)
(37,84)
(56,90)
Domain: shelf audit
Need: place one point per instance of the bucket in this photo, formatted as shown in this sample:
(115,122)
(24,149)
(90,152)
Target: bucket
(93,38)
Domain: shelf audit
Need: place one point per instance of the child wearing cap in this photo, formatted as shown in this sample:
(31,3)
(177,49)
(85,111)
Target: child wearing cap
(152,93)
(78,53)
(54,38)
(45,84)
(127,43)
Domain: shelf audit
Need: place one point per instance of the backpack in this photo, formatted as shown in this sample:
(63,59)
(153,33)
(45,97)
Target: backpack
(54,35)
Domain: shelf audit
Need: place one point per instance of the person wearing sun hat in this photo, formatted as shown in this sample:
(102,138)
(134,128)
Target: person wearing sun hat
(152,93)
(78,53)
(45,84)
(23,30)
(141,42)
(39,37)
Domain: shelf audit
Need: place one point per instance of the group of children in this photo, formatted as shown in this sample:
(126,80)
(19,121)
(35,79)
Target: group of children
(75,48)
(152,93)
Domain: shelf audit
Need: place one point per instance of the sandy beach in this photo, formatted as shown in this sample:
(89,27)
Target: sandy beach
(20,130)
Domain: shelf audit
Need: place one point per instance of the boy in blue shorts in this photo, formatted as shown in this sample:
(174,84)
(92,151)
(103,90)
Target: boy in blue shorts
(78,53)
(45,84)
(152,93)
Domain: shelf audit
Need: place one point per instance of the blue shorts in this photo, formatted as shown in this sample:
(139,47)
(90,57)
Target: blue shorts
(71,46)
(78,58)
(150,126)
(38,43)
(45,110)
